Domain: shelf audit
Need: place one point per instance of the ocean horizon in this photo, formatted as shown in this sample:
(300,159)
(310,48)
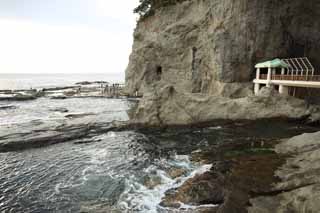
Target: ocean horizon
(17,81)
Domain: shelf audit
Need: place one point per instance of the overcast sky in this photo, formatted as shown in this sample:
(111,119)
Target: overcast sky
(65,36)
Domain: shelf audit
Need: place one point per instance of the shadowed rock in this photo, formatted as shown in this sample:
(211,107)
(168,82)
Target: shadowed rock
(5,107)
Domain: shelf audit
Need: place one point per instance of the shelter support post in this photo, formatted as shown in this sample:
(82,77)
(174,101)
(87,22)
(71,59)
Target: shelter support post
(256,88)
(258,74)
(283,90)
(269,77)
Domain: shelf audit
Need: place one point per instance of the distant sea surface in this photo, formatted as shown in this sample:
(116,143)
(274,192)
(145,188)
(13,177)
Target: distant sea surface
(27,81)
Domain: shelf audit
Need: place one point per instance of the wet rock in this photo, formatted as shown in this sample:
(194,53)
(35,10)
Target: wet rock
(5,107)
(91,82)
(200,190)
(268,92)
(152,181)
(176,172)
(97,208)
(19,97)
(60,109)
(70,93)
(83,83)
(299,186)
(235,176)
(59,97)
(39,135)
(59,88)
(79,115)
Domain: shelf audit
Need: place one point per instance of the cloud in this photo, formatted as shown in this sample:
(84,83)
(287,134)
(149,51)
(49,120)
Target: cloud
(114,9)
(38,48)
(65,36)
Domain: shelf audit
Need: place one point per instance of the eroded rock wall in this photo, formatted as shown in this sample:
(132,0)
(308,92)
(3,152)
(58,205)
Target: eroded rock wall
(168,107)
(211,46)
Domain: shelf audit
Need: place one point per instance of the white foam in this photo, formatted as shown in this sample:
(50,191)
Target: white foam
(215,127)
(138,197)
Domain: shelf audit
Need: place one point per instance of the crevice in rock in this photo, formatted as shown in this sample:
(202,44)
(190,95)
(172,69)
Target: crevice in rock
(280,191)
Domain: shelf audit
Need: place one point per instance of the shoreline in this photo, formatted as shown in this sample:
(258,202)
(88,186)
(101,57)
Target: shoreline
(83,89)
(237,178)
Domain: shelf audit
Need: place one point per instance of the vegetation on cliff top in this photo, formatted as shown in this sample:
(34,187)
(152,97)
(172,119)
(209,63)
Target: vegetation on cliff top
(147,7)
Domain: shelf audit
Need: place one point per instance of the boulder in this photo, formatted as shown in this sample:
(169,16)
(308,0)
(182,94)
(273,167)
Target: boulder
(19,97)
(205,189)
(60,109)
(299,186)
(6,107)
(267,92)
(166,106)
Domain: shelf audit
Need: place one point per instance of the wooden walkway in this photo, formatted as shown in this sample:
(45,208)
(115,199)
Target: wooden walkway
(292,77)
(308,81)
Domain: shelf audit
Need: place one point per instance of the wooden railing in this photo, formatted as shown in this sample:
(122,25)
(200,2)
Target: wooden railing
(291,77)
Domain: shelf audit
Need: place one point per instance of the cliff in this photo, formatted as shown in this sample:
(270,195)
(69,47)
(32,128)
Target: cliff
(211,46)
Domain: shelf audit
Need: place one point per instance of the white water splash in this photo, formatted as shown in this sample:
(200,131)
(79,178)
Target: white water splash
(137,197)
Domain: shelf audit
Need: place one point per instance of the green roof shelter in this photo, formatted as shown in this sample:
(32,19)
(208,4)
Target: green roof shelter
(276,63)
(271,66)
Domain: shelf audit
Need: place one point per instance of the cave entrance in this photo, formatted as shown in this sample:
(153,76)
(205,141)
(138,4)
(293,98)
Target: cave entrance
(159,73)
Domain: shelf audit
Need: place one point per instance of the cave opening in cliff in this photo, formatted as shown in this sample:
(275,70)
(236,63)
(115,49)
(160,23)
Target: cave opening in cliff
(159,72)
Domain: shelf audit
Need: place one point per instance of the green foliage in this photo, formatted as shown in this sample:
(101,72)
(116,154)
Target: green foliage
(148,7)
(144,8)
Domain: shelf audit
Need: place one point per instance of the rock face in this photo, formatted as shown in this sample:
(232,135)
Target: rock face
(210,46)
(207,50)
(299,188)
(166,106)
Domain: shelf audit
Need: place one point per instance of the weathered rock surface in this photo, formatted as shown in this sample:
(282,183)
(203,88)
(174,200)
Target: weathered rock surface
(60,109)
(6,107)
(167,106)
(211,46)
(240,170)
(35,134)
(18,97)
(299,188)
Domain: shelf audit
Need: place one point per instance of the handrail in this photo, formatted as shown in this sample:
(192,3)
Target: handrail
(291,77)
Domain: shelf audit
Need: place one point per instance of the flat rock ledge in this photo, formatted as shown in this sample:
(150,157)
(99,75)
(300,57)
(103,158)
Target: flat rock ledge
(299,188)
(40,134)
(166,106)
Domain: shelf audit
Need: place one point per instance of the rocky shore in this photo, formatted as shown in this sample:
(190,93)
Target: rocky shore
(255,176)
(252,174)
(166,106)
(76,128)
(298,188)
(79,90)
